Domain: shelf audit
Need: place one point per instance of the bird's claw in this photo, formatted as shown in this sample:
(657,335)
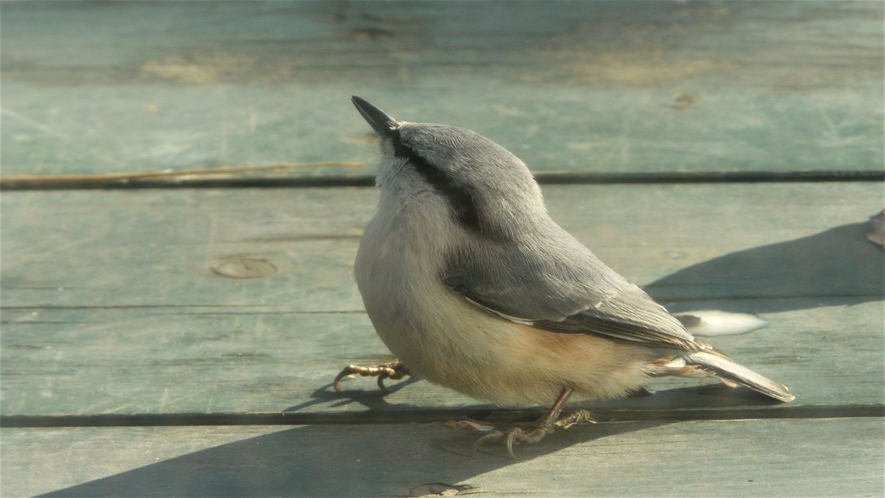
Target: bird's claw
(394,371)
(470,424)
(576,417)
(510,437)
(516,435)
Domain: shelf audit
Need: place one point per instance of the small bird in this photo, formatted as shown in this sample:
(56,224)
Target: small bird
(472,286)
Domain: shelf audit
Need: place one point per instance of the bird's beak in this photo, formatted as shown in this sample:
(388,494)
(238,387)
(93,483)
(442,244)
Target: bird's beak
(381,122)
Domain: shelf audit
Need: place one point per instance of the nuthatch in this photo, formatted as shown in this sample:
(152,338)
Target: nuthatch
(472,286)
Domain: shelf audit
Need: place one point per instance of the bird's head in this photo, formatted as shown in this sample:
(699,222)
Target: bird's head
(485,186)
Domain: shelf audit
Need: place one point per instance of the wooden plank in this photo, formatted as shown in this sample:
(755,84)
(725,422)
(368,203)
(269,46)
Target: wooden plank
(167,361)
(159,248)
(109,300)
(686,242)
(587,86)
(831,457)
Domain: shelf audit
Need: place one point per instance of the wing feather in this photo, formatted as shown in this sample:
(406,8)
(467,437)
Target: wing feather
(553,282)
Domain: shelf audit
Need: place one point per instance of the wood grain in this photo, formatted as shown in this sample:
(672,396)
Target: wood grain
(832,457)
(178,342)
(111,305)
(685,242)
(567,86)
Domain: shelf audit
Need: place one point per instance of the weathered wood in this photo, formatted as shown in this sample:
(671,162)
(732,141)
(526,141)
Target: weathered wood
(226,360)
(687,242)
(574,86)
(111,304)
(239,307)
(833,457)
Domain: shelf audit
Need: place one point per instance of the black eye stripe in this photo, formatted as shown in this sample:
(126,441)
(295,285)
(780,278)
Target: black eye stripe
(459,197)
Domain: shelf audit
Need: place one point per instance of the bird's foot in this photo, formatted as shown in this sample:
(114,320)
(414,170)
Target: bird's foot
(393,371)
(543,427)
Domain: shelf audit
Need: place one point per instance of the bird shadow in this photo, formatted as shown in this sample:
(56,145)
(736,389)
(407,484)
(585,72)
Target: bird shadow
(392,458)
(838,266)
(336,460)
(372,399)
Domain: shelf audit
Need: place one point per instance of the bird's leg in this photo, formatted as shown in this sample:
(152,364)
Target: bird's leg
(393,370)
(545,425)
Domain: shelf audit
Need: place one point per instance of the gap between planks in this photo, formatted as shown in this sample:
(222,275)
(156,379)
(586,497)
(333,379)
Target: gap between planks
(496,416)
(553,178)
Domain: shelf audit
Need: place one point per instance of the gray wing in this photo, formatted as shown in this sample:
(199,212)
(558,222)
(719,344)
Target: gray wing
(553,282)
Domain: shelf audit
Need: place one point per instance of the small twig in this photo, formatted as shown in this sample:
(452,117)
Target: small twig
(133,175)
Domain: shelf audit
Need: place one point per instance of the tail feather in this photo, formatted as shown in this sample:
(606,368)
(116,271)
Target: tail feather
(723,367)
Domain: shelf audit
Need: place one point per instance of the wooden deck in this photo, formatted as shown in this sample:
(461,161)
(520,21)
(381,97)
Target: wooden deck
(723,155)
